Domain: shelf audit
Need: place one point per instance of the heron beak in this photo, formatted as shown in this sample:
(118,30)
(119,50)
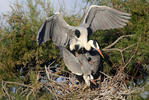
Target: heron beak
(100,53)
(93,81)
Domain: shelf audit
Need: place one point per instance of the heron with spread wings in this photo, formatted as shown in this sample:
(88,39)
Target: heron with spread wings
(97,18)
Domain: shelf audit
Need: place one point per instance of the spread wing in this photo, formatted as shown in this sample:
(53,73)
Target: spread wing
(56,29)
(104,18)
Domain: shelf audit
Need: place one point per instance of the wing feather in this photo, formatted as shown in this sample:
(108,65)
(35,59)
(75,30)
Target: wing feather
(71,62)
(56,29)
(104,18)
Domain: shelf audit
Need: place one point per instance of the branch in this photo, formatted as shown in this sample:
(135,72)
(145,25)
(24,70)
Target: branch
(57,96)
(27,97)
(130,59)
(112,49)
(120,50)
(7,82)
(5,90)
(121,37)
(108,48)
(105,74)
(129,46)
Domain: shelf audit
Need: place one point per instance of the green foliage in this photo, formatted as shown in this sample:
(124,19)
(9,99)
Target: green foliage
(18,43)
(138,26)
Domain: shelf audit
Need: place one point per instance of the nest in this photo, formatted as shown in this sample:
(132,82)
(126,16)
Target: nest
(111,87)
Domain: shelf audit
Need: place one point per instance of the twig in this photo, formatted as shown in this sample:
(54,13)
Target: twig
(123,61)
(105,74)
(51,63)
(109,46)
(112,49)
(129,47)
(51,92)
(47,72)
(131,56)
(4,88)
(8,82)
(27,97)
(23,92)
(129,60)
(120,50)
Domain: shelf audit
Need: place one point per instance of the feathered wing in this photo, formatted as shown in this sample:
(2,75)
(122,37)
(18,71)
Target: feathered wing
(104,18)
(71,61)
(56,29)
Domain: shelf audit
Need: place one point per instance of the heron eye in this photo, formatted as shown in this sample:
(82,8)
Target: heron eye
(77,33)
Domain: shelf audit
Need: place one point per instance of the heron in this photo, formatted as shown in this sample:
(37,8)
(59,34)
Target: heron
(82,64)
(97,18)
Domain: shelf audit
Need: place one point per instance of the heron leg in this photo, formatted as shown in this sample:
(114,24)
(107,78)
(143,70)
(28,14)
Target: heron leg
(73,79)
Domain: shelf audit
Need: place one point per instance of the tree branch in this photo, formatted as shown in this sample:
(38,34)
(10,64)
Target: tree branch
(121,37)
(27,97)
(112,49)
(5,90)
(7,82)
(131,57)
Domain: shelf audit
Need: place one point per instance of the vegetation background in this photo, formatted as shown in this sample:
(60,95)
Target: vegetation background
(21,58)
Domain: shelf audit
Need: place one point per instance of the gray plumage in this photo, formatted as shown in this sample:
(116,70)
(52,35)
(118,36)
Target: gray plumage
(95,60)
(56,29)
(80,65)
(104,18)
(97,18)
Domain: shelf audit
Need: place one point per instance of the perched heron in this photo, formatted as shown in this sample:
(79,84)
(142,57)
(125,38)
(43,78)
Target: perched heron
(97,18)
(83,64)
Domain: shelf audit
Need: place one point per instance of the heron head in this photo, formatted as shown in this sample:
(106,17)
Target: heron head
(88,79)
(94,44)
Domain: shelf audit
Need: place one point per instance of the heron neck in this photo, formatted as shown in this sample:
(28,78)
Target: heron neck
(88,46)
